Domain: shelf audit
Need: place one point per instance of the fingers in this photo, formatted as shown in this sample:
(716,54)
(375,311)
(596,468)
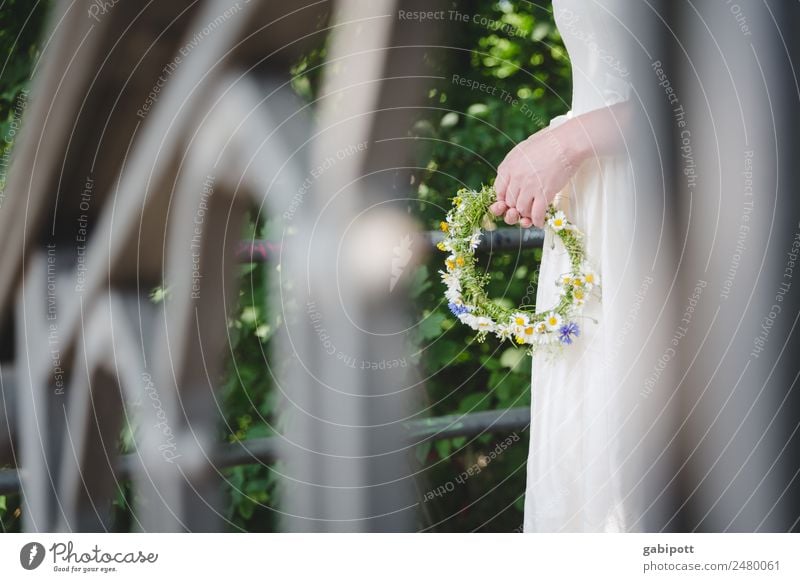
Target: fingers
(512,192)
(525,222)
(500,185)
(498,208)
(512,216)
(525,201)
(538,212)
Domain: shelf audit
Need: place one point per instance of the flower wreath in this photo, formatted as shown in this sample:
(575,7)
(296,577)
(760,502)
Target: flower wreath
(466,293)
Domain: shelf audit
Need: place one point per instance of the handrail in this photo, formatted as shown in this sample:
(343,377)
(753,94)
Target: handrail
(266,450)
(501,239)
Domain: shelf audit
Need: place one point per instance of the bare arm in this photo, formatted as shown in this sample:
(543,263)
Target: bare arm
(537,169)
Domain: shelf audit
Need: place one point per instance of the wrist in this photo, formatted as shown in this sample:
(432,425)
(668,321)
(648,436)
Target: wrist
(577,145)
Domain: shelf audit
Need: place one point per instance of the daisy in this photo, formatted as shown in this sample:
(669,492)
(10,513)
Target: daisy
(519,321)
(558,221)
(484,324)
(591,278)
(529,334)
(553,321)
(578,296)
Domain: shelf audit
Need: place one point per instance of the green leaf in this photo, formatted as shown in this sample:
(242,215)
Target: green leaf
(449,119)
(247,507)
(474,403)
(478,109)
(513,358)
(419,282)
(443,448)
(431,326)
(259,430)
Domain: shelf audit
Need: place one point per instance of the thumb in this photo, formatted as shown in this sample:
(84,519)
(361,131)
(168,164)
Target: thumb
(498,208)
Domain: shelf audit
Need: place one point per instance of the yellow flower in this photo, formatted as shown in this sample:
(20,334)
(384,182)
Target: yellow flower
(444,226)
(460,261)
(450,264)
(520,339)
(440,246)
(456,201)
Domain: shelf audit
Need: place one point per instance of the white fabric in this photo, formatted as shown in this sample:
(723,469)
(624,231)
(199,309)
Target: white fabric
(574,479)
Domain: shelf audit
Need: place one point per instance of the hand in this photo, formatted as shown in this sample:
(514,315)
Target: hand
(535,171)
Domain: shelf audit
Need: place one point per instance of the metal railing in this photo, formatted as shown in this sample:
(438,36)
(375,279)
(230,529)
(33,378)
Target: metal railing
(266,450)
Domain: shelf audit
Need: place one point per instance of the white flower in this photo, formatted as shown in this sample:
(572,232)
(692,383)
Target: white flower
(518,323)
(520,319)
(528,334)
(478,323)
(558,221)
(452,280)
(566,279)
(475,239)
(484,324)
(503,332)
(552,321)
(536,334)
(578,296)
(453,295)
(591,279)
(468,319)
(544,339)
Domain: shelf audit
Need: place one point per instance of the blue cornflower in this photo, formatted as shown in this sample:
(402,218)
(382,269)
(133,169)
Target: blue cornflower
(458,308)
(567,331)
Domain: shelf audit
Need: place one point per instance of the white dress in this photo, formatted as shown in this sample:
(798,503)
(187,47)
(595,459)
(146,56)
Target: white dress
(574,479)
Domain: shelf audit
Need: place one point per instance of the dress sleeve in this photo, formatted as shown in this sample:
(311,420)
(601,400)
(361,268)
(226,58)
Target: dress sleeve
(616,90)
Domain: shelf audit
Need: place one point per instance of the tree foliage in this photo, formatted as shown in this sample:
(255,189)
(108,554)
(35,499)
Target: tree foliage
(504,75)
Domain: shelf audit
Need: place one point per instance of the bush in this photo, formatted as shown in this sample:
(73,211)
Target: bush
(515,51)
